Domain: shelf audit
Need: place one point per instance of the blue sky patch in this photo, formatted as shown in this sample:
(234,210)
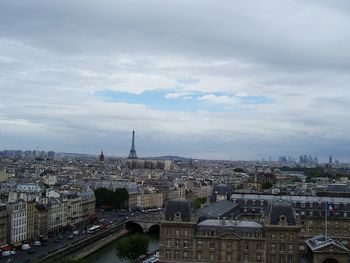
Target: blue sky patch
(190,102)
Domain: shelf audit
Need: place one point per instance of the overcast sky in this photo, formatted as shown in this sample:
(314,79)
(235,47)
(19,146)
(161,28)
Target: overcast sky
(203,79)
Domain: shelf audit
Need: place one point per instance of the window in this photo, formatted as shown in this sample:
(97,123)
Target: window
(177,232)
(229,257)
(177,243)
(199,256)
(212,245)
(273,247)
(273,236)
(186,232)
(185,243)
(245,258)
(282,236)
(246,246)
(229,245)
(211,256)
(290,248)
(212,233)
(168,243)
(199,244)
(168,254)
(281,247)
(258,258)
(185,254)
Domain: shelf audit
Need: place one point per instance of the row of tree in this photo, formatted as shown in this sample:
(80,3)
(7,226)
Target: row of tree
(109,199)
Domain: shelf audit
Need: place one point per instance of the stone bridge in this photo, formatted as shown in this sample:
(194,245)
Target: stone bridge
(147,223)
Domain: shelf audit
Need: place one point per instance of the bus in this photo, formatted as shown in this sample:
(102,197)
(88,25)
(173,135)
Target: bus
(93,229)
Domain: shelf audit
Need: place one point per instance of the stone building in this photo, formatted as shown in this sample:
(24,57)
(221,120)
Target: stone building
(17,222)
(3,224)
(40,226)
(311,211)
(30,219)
(275,238)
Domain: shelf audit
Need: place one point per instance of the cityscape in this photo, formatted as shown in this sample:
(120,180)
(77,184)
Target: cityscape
(174,131)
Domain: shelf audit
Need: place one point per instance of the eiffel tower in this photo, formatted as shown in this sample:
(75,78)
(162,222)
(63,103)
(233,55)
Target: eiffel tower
(132,154)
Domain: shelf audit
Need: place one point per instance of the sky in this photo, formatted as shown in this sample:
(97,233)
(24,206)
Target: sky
(213,79)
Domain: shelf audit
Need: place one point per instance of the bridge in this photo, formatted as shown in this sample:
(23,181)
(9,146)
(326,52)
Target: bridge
(146,222)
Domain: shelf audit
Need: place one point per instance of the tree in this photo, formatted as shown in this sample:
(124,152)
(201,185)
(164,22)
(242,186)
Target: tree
(238,170)
(132,247)
(267,185)
(197,202)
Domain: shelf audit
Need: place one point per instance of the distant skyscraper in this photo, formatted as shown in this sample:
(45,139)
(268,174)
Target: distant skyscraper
(330,159)
(132,154)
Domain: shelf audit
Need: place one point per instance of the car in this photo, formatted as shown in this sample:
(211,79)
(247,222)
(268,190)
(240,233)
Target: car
(37,243)
(70,237)
(31,251)
(57,240)
(8,253)
(43,244)
(9,260)
(25,246)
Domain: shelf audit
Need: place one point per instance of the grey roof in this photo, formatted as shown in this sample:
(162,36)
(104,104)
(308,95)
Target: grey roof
(344,188)
(178,205)
(281,208)
(223,226)
(216,210)
(319,242)
(291,198)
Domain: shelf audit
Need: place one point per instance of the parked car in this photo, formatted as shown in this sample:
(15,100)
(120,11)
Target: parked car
(70,237)
(8,253)
(37,243)
(25,246)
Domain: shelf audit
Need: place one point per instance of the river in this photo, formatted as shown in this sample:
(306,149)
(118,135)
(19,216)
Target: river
(107,254)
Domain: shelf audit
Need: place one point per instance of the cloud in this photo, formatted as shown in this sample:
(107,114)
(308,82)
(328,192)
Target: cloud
(225,100)
(276,80)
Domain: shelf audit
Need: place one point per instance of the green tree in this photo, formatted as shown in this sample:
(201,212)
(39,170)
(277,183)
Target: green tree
(238,170)
(120,198)
(132,247)
(197,202)
(267,185)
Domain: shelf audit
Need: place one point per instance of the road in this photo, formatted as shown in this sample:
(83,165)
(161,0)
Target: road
(52,246)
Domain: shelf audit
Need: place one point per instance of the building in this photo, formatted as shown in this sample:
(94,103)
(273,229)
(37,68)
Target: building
(311,210)
(56,219)
(3,224)
(17,222)
(41,222)
(30,219)
(277,237)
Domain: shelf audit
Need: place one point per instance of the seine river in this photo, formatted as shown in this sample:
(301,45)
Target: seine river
(107,253)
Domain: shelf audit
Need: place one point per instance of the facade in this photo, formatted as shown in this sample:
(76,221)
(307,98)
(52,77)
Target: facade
(56,219)
(3,224)
(40,226)
(17,222)
(311,210)
(30,219)
(273,239)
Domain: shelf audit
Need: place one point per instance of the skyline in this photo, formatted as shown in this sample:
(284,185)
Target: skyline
(262,78)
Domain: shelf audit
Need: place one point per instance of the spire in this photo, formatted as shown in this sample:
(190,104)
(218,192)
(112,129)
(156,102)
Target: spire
(101,157)
(132,154)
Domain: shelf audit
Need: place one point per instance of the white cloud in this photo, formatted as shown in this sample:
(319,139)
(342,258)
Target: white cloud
(223,99)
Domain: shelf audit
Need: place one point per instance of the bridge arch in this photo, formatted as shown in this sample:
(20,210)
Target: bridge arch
(330,260)
(153,228)
(131,225)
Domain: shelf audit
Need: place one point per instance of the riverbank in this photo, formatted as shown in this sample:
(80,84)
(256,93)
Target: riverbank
(87,246)
(107,254)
